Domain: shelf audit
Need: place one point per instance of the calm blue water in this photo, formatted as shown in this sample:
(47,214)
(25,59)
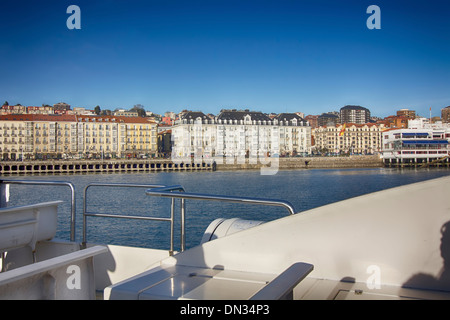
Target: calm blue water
(305,189)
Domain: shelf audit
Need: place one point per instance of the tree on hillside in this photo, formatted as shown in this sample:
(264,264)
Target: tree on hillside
(139,109)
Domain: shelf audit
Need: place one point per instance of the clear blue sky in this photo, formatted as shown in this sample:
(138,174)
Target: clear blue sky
(273,56)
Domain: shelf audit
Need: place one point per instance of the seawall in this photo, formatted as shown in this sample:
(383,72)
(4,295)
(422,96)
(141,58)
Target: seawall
(97,166)
(152,165)
(371,161)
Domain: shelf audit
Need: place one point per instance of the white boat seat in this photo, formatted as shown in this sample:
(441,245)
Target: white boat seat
(25,225)
(182,282)
(69,276)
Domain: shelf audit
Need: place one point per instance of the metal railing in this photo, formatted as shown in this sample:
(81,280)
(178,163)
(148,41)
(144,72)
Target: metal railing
(173,192)
(119,216)
(177,191)
(51,183)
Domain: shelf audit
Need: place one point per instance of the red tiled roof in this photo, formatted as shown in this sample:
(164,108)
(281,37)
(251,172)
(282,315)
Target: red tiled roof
(73,118)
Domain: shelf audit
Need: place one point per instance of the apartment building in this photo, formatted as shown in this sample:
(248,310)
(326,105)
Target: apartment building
(194,135)
(29,136)
(238,135)
(138,137)
(354,114)
(349,138)
(13,138)
(295,134)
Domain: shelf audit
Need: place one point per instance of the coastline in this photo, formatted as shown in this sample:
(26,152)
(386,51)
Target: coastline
(157,165)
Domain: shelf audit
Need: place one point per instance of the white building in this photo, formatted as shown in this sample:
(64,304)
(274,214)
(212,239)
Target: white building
(422,142)
(238,137)
(295,134)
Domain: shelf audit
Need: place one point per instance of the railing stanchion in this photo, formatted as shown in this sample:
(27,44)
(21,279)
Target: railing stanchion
(183,226)
(172,218)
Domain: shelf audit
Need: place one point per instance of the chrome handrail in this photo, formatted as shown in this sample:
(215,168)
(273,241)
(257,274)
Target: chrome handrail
(174,192)
(168,193)
(109,215)
(53,183)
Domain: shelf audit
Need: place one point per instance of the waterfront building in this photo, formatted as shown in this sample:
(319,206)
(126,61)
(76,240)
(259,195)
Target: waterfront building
(295,134)
(13,138)
(49,136)
(349,138)
(246,134)
(141,137)
(164,143)
(237,135)
(35,136)
(422,142)
(193,135)
(115,136)
(354,114)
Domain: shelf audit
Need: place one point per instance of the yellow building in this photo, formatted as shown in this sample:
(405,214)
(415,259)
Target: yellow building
(13,139)
(138,138)
(70,136)
(349,138)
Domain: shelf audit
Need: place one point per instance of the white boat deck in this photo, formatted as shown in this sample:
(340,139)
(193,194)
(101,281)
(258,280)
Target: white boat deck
(392,244)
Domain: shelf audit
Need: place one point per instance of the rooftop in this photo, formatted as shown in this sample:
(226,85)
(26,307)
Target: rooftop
(192,115)
(73,118)
(350,107)
(288,117)
(241,114)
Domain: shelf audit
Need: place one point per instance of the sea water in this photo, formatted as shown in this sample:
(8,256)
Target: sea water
(305,189)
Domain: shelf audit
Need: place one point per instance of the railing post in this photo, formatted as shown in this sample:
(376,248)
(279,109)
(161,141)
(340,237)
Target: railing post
(172,218)
(73,212)
(84,215)
(183,233)
(4,194)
